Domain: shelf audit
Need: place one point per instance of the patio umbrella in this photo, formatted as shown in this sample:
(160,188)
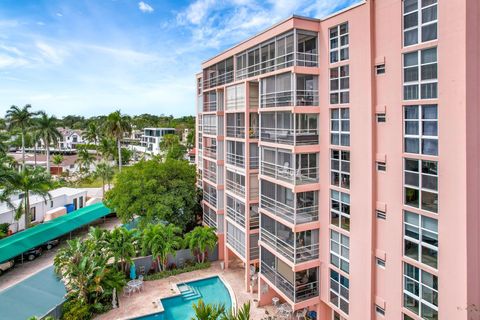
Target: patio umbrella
(133,271)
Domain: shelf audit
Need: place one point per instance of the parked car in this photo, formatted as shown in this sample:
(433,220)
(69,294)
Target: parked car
(4,266)
(50,244)
(30,254)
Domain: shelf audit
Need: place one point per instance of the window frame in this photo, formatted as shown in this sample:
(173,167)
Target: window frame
(345,70)
(341,122)
(420,185)
(338,49)
(340,168)
(340,212)
(420,286)
(419,26)
(421,231)
(343,244)
(338,288)
(420,121)
(418,83)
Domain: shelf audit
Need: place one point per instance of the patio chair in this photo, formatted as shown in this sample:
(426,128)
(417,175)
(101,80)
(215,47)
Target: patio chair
(127,290)
(140,277)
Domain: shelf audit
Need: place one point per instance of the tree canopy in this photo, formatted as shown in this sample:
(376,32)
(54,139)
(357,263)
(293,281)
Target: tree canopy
(155,191)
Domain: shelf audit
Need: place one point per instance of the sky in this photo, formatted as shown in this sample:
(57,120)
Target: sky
(91,57)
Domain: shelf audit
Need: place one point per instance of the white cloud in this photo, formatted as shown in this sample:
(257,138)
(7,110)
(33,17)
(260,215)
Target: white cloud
(7,61)
(59,14)
(145,7)
(49,53)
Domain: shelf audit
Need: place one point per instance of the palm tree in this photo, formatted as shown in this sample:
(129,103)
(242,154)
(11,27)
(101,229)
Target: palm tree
(107,148)
(207,311)
(57,160)
(160,241)
(85,159)
(199,240)
(29,182)
(106,172)
(92,133)
(7,176)
(241,314)
(4,137)
(46,128)
(115,126)
(123,245)
(20,119)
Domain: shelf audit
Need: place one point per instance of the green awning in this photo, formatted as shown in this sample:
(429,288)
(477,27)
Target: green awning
(20,242)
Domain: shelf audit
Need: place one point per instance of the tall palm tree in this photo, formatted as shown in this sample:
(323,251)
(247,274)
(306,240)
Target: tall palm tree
(21,119)
(160,241)
(199,240)
(115,126)
(107,148)
(105,172)
(4,137)
(46,128)
(30,181)
(92,134)
(85,159)
(7,176)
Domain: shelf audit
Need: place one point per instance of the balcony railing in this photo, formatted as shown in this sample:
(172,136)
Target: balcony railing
(236,244)
(235,132)
(289,136)
(306,213)
(238,217)
(306,59)
(287,98)
(211,199)
(210,152)
(294,176)
(295,254)
(236,160)
(209,106)
(210,129)
(210,175)
(307,98)
(210,219)
(236,188)
(219,80)
(297,292)
(254,252)
(254,222)
(254,162)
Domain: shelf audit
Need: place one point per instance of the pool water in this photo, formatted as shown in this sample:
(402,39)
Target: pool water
(210,290)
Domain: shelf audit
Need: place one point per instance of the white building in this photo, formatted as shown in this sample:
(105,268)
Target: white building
(61,198)
(151,139)
(70,139)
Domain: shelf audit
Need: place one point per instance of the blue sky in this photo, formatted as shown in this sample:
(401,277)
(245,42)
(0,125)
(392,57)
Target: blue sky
(90,57)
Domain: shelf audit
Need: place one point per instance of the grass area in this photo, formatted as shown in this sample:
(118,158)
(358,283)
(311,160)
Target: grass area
(89,183)
(174,272)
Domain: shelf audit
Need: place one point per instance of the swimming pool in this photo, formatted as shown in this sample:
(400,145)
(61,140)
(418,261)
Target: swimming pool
(210,290)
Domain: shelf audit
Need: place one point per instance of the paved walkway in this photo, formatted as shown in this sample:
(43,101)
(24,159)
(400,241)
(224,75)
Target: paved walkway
(140,304)
(22,271)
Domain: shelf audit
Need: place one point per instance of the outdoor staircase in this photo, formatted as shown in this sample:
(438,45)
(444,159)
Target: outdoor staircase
(189,293)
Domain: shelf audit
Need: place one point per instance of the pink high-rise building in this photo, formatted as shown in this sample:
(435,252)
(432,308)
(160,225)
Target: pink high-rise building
(339,160)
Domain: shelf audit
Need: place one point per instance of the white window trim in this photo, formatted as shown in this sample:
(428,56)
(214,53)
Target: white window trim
(342,246)
(420,187)
(420,136)
(420,290)
(339,79)
(419,241)
(420,24)
(418,83)
(339,47)
(340,130)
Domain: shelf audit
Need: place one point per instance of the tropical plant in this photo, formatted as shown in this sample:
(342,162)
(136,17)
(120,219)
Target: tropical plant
(29,182)
(92,133)
(85,159)
(21,119)
(172,148)
(45,127)
(57,160)
(207,311)
(106,147)
(160,241)
(4,137)
(106,172)
(123,245)
(199,240)
(116,126)
(243,313)
(155,191)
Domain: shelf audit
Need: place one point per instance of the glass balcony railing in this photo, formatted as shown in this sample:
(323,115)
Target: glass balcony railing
(294,292)
(294,176)
(292,251)
(289,136)
(289,98)
(306,211)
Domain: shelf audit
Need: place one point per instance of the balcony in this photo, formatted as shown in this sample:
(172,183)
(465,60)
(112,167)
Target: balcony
(209,217)
(297,247)
(289,136)
(254,162)
(210,129)
(235,183)
(211,199)
(236,239)
(236,211)
(236,132)
(236,160)
(254,217)
(278,90)
(210,152)
(297,292)
(218,74)
(288,174)
(210,175)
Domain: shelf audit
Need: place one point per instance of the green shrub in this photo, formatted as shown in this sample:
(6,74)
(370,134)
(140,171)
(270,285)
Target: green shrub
(174,272)
(74,310)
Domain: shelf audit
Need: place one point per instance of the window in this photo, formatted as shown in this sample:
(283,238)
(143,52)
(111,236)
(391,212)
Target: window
(381,117)
(419,21)
(340,168)
(420,79)
(405,317)
(420,292)
(380,69)
(421,184)
(340,85)
(381,214)
(340,209)
(339,290)
(381,166)
(380,310)
(33,214)
(421,238)
(380,262)
(340,251)
(340,127)
(339,43)
(421,129)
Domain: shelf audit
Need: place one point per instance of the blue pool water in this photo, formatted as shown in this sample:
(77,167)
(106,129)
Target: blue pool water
(210,290)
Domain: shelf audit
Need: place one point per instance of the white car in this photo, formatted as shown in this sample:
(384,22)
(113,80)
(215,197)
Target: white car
(4,266)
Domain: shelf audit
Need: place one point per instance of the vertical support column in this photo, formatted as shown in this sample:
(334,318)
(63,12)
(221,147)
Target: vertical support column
(247,185)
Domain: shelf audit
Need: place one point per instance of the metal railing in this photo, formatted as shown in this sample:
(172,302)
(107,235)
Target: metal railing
(254,252)
(235,187)
(289,136)
(307,213)
(210,175)
(285,173)
(218,80)
(292,253)
(209,106)
(238,217)
(211,199)
(210,129)
(236,160)
(235,104)
(254,222)
(254,162)
(235,132)
(276,99)
(306,59)
(210,221)
(306,98)
(210,152)
(237,245)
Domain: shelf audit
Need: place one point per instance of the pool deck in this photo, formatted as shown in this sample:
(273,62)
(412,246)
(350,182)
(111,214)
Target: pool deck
(140,304)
